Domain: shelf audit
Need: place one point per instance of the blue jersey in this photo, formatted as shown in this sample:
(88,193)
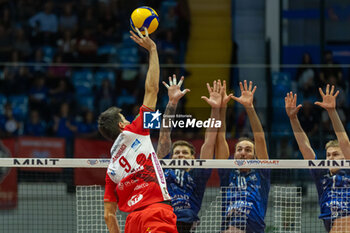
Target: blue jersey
(186,190)
(245,196)
(333,201)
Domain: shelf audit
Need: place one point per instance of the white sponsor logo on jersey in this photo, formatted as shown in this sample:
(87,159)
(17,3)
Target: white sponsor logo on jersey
(135,199)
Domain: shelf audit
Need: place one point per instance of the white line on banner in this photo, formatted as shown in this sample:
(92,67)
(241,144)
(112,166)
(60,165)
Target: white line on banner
(179,163)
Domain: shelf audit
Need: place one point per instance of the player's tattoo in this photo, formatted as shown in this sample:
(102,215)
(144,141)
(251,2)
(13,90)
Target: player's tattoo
(164,143)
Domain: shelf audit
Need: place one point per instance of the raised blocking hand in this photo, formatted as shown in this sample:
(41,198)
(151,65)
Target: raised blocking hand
(214,95)
(174,89)
(247,94)
(224,97)
(291,105)
(328,99)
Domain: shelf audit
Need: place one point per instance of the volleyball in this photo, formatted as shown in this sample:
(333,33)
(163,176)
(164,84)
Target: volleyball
(144,17)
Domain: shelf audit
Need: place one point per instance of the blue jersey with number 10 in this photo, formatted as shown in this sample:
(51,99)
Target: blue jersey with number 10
(245,196)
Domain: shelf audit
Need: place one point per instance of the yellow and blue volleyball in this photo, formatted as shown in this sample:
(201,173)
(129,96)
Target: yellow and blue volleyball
(144,17)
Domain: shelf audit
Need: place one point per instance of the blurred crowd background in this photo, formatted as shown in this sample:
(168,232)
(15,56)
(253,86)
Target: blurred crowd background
(63,62)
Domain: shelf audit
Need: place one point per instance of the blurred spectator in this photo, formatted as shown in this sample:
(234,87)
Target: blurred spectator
(167,47)
(22,44)
(169,19)
(309,118)
(89,20)
(6,20)
(38,95)
(45,21)
(26,9)
(59,69)
(87,46)
(88,127)
(34,126)
(22,79)
(44,25)
(39,59)
(9,125)
(61,93)
(9,83)
(306,77)
(67,46)
(107,26)
(5,44)
(330,68)
(183,28)
(68,21)
(64,125)
(105,96)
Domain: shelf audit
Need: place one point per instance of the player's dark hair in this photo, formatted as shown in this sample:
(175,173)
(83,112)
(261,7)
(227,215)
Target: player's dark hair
(108,123)
(183,143)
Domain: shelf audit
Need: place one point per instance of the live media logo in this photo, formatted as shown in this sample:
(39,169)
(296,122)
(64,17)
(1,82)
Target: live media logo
(151,120)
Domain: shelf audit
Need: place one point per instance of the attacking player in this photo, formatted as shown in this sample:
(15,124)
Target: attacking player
(187,186)
(334,212)
(134,179)
(245,191)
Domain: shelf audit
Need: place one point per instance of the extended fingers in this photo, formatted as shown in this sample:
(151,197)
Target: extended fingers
(170,81)
(215,86)
(241,86)
(138,32)
(209,88)
(181,81)
(321,92)
(165,84)
(327,89)
(332,90)
(250,85)
(146,31)
(174,79)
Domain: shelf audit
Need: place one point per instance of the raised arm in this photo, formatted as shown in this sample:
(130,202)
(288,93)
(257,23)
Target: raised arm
(110,209)
(207,149)
(299,134)
(222,150)
(174,94)
(329,104)
(152,78)
(246,99)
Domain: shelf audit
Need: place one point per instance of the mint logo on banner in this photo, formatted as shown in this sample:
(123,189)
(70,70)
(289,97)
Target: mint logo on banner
(151,120)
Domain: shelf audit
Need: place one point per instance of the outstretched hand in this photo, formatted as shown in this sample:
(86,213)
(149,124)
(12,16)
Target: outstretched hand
(328,99)
(224,97)
(174,91)
(291,105)
(214,95)
(143,40)
(247,94)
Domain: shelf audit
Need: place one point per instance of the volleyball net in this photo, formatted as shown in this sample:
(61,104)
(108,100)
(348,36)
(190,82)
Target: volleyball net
(61,195)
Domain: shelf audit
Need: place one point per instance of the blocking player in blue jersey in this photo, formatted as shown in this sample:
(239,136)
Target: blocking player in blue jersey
(244,191)
(186,186)
(335,212)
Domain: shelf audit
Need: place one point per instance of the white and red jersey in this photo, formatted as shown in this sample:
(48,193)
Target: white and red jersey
(134,176)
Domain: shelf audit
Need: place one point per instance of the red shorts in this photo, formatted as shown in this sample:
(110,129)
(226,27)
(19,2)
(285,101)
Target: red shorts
(155,218)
